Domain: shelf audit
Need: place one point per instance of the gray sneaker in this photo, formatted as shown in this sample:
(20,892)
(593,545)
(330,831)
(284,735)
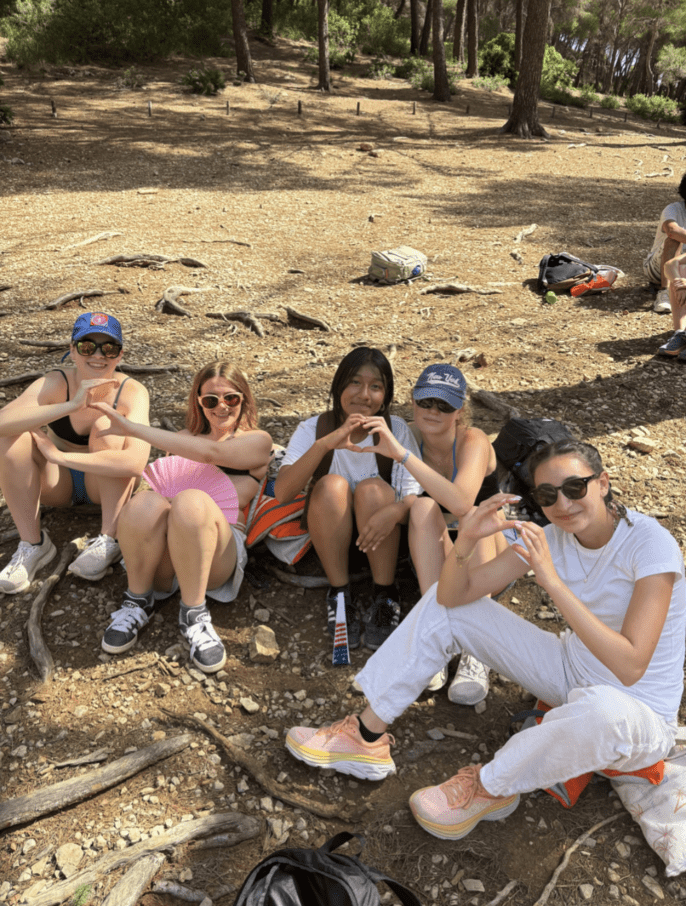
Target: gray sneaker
(134,614)
(662,305)
(27,560)
(93,563)
(207,650)
(674,344)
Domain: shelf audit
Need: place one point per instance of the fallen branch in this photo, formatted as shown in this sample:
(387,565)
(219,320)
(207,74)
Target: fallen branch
(249,318)
(145,260)
(146,369)
(129,889)
(168,303)
(457,288)
(527,232)
(60,795)
(247,761)
(88,758)
(305,322)
(667,172)
(99,238)
(178,890)
(491,401)
(504,893)
(39,650)
(182,833)
(550,886)
(46,344)
(21,378)
(248,245)
(80,294)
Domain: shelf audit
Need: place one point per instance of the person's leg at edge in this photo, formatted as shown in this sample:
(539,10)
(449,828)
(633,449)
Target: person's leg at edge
(371,495)
(110,493)
(330,524)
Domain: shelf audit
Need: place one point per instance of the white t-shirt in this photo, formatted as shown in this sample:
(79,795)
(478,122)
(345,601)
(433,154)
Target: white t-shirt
(675,211)
(611,572)
(355,467)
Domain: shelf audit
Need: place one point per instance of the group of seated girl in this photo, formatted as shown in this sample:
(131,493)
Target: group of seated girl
(369,475)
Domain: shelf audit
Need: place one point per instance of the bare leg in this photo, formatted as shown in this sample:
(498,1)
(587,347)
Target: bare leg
(371,495)
(669,251)
(143,542)
(427,538)
(110,493)
(330,523)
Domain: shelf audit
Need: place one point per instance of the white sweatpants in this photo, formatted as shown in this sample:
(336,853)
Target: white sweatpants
(590,728)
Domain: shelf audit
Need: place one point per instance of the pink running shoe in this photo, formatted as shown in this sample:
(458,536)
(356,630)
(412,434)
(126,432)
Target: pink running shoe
(450,811)
(341,746)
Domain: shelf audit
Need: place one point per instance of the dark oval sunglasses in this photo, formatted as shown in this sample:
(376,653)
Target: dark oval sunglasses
(572,488)
(211,400)
(439,404)
(87,348)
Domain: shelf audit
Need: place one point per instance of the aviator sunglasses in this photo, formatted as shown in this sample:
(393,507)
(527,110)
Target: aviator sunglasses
(572,488)
(211,400)
(439,404)
(87,348)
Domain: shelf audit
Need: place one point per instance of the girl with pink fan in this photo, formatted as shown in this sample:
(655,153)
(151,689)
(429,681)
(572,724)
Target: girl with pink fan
(187,529)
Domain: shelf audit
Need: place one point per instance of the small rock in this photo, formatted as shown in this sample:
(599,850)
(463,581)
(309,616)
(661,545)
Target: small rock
(19,752)
(80,712)
(480,708)
(365,146)
(249,706)
(652,885)
(473,885)
(68,858)
(263,646)
(643,445)
(28,845)
(623,850)
(161,689)
(262,614)
(586,891)
(613,892)
(435,733)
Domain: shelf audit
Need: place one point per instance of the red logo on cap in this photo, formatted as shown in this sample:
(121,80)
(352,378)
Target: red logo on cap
(98,319)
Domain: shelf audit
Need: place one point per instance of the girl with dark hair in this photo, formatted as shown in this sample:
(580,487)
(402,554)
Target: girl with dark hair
(186,531)
(353,493)
(614,678)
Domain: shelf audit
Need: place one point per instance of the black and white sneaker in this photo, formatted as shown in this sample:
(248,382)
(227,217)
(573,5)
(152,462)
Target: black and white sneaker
(383,619)
(207,650)
(352,616)
(134,614)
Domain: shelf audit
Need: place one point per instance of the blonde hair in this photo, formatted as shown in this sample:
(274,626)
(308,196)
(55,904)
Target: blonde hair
(196,421)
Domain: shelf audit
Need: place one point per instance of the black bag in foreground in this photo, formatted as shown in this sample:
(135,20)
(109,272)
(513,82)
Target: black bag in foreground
(317,877)
(562,271)
(517,440)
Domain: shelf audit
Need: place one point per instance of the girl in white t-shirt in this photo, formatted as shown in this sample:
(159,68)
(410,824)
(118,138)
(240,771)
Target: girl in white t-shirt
(614,678)
(349,489)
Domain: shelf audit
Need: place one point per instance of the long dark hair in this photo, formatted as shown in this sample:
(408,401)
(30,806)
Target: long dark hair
(348,368)
(589,454)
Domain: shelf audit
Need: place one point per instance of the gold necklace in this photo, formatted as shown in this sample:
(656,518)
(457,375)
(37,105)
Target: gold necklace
(587,575)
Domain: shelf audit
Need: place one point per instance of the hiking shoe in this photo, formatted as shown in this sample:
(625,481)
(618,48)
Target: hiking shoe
(93,562)
(27,560)
(470,684)
(207,650)
(134,614)
(674,344)
(662,305)
(439,680)
(383,619)
(341,746)
(450,811)
(352,616)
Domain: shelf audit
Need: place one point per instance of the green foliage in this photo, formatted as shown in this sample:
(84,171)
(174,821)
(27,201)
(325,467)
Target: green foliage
(497,58)
(654,108)
(342,43)
(204,81)
(610,102)
(557,72)
(380,33)
(6,115)
(420,74)
(490,83)
(559,95)
(132,78)
(588,95)
(380,68)
(671,64)
(113,31)
(82,895)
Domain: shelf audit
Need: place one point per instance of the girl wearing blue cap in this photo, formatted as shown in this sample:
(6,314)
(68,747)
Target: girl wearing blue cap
(72,463)
(457,469)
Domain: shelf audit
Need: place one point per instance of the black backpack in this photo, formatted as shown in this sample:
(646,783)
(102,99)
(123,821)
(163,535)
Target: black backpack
(317,877)
(517,440)
(562,271)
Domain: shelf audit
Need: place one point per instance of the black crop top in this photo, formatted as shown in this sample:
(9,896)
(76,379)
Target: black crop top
(63,427)
(227,470)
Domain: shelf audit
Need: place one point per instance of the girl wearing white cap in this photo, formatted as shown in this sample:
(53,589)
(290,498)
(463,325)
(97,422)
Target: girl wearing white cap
(72,463)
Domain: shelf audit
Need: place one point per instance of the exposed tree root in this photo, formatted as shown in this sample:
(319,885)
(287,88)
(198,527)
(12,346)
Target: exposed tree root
(156,262)
(168,304)
(80,294)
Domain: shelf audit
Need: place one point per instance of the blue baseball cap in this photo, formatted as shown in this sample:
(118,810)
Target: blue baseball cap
(96,322)
(441,382)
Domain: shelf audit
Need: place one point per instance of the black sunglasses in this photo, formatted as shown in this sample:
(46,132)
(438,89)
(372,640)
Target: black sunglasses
(108,349)
(572,488)
(439,404)
(211,400)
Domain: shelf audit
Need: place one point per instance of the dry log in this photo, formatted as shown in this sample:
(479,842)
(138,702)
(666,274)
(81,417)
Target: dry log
(491,401)
(39,650)
(168,304)
(458,288)
(80,294)
(182,833)
(145,260)
(88,758)
(527,232)
(247,761)
(305,322)
(60,795)
(129,889)
(178,890)
(99,238)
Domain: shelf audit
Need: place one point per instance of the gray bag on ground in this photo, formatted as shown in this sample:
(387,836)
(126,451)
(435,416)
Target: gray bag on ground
(396,265)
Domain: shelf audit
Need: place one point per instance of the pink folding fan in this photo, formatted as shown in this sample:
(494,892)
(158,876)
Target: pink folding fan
(171,474)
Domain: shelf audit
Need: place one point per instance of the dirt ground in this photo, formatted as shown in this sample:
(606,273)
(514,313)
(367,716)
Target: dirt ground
(284,210)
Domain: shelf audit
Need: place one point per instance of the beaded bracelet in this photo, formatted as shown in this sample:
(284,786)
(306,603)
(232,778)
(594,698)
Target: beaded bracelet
(405,458)
(462,560)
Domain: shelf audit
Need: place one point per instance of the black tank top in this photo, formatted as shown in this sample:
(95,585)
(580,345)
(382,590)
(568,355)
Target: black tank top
(63,427)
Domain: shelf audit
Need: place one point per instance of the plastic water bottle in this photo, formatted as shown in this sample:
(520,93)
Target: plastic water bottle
(550,298)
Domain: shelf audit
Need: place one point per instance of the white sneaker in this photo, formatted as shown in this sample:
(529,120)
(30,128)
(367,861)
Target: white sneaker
(27,560)
(470,685)
(92,563)
(662,305)
(439,680)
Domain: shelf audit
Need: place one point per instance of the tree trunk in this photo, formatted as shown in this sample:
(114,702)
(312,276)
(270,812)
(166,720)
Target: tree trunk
(324,70)
(426,31)
(458,39)
(472,39)
(441,84)
(415,27)
(519,34)
(398,13)
(524,118)
(267,20)
(240,40)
